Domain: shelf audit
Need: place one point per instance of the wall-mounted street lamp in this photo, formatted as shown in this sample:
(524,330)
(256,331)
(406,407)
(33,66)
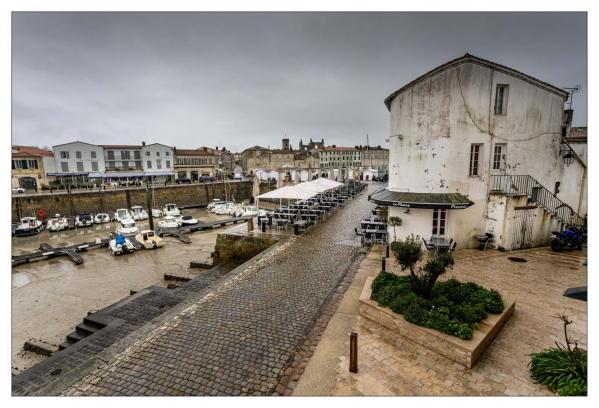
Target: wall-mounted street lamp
(567,156)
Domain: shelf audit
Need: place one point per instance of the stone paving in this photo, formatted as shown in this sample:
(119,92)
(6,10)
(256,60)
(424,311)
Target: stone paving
(392,365)
(240,338)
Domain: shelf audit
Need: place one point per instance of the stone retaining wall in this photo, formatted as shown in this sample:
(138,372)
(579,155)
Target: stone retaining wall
(238,247)
(109,200)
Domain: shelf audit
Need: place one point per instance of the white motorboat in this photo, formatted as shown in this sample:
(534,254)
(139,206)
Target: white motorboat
(120,245)
(156,213)
(101,218)
(169,222)
(84,220)
(139,213)
(58,222)
(122,214)
(171,209)
(212,203)
(249,211)
(223,208)
(188,220)
(236,209)
(127,227)
(29,226)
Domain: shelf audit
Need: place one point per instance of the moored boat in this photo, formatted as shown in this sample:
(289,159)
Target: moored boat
(139,213)
(122,214)
(169,222)
(127,227)
(84,220)
(57,222)
(149,240)
(120,245)
(171,209)
(187,220)
(101,218)
(29,226)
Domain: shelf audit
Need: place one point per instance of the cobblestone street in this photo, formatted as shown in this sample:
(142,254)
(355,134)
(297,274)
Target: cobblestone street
(240,338)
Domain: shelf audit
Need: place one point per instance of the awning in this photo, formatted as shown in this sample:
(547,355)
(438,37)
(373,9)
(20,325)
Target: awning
(452,201)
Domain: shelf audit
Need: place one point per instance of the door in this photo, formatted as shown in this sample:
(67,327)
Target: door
(499,158)
(28,183)
(522,223)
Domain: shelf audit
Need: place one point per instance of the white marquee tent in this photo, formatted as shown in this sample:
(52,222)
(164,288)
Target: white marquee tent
(301,191)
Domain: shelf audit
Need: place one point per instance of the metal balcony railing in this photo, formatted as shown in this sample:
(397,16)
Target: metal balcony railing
(527,185)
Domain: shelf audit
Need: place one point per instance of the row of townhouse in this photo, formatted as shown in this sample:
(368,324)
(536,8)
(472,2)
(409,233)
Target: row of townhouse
(366,160)
(80,163)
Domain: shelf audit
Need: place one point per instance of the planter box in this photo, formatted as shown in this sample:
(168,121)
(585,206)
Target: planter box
(465,352)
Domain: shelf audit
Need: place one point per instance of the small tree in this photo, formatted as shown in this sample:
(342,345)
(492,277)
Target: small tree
(423,273)
(394,222)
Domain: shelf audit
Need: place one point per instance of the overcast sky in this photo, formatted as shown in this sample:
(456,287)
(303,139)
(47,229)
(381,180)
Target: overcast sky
(240,79)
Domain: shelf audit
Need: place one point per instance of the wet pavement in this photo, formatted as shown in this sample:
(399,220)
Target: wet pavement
(240,338)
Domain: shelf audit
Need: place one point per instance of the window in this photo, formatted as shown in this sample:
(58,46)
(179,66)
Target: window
(501,94)
(94,166)
(138,164)
(77,155)
(474,160)
(147,152)
(79,166)
(137,155)
(439,222)
(157,154)
(32,164)
(64,155)
(93,154)
(158,164)
(125,154)
(499,156)
(110,154)
(125,165)
(64,167)
(149,164)
(168,164)
(167,154)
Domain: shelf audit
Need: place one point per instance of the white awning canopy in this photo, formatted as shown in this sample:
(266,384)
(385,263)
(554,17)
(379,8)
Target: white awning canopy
(301,191)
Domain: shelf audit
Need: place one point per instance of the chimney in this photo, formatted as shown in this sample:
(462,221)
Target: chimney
(143,143)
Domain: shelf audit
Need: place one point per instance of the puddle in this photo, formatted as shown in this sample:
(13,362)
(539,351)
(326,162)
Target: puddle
(20,279)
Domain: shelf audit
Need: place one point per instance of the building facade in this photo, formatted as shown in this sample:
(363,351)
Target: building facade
(255,158)
(374,160)
(76,163)
(30,166)
(195,163)
(158,162)
(475,148)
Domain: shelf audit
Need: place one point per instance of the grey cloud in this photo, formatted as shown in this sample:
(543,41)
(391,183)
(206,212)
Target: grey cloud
(238,79)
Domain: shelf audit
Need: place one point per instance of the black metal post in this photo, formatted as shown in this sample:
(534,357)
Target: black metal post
(383,264)
(149,205)
(386,250)
(353,352)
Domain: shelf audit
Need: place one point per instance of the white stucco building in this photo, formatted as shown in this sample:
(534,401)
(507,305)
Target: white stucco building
(477,147)
(77,162)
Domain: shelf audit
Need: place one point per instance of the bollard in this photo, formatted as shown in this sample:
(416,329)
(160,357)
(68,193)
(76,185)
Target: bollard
(263,226)
(353,352)
(383,262)
(296,229)
(386,250)
(250,224)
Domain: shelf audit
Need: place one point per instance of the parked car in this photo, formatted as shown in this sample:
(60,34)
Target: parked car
(183,180)
(18,190)
(207,179)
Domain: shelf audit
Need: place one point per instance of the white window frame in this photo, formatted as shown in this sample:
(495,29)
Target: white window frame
(499,158)
(478,153)
(439,222)
(502,92)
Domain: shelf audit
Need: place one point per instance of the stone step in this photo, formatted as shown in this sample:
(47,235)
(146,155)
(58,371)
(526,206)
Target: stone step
(76,336)
(87,329)
(65,344)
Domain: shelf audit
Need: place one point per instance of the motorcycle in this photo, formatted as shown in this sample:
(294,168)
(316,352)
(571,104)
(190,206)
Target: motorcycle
(571,238)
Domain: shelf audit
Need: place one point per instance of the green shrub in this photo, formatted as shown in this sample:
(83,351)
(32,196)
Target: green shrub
(454,308)
(563,372)
(563,369)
